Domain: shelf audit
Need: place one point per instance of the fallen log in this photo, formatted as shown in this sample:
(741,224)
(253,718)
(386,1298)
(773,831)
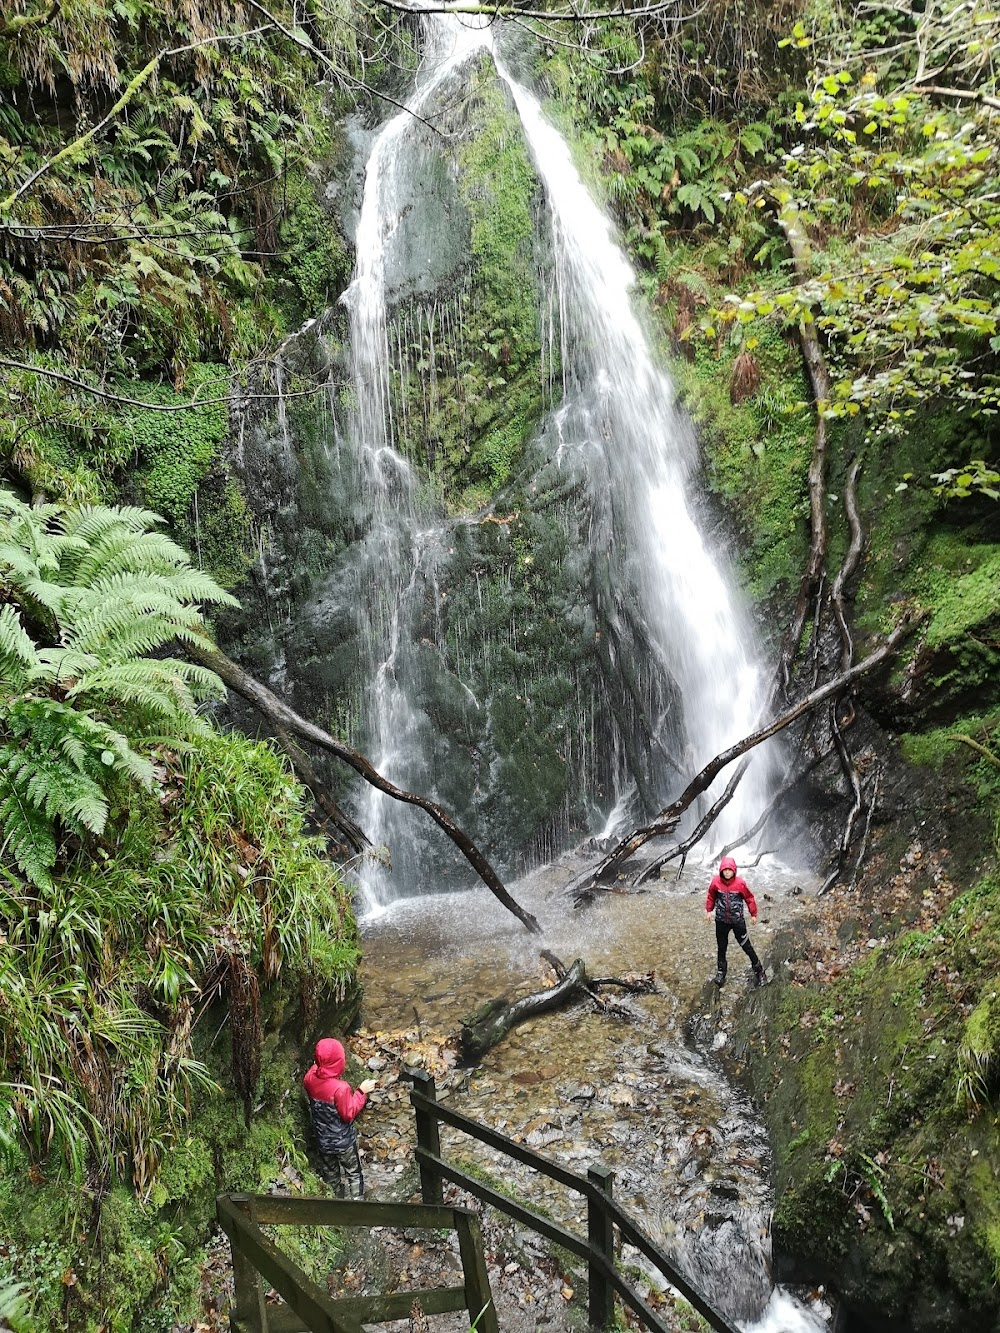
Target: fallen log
(491,1022)
(281,717)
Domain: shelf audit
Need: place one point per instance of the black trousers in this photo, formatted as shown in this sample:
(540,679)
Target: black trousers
(342,1171)
(739,929)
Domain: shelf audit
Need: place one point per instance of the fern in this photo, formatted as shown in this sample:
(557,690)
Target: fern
(104,591)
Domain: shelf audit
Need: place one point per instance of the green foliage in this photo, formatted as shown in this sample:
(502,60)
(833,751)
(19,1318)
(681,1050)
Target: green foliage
(13,1305)
(176,449)
(91,593)
(187,231)
(145,871)
(974,478)
(687,176)
(979,1055)
(757,453)
(900,1113)
(112,960)
(900,185)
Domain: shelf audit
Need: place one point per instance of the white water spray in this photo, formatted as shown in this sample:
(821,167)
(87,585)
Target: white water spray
(622,404)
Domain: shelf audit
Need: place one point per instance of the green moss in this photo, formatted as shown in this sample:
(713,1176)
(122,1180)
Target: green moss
(936,747)
(865,1118)
(758,454)
(969,600)
(316,266)
(472,398)
(991,1240)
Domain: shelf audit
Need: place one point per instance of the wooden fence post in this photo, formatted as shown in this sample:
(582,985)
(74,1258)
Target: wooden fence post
(428,1137)
(249,1304)
(482,1311)
(601,1234)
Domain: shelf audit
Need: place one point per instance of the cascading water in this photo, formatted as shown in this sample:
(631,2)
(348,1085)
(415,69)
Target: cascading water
(619,408)
(401,534)
(617,426)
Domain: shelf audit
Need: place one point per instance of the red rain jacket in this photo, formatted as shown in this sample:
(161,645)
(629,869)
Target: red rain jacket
(727,899)
(324,1084)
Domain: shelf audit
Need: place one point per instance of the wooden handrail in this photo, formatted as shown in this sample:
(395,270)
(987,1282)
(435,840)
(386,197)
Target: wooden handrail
(603,1212)
(256,1257)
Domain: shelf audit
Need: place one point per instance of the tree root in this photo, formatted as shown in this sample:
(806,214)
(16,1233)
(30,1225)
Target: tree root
(819,377)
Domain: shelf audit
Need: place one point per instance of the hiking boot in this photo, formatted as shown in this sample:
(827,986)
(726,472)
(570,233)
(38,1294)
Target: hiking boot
(759,979)
(720,977)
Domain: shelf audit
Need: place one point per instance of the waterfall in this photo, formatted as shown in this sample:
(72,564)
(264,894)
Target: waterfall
(617,426)
(619,406)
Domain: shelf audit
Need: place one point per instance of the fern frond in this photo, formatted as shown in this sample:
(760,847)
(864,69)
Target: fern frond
(43,781)
(28,836)
(16,564)
(60,665)
(18,654)
(122,550)
(158,688)
(92,519)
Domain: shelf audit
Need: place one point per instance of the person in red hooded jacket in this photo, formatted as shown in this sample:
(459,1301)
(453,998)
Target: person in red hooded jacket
(333,1107)
(727,897)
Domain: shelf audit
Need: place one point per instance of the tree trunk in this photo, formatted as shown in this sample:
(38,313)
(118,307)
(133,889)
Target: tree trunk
(490,1024)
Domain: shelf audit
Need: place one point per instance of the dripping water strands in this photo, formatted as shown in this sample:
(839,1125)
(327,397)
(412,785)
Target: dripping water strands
(398,533)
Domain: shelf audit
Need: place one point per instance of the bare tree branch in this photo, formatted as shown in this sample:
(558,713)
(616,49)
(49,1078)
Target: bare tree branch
(666,821)
(118,398)
(776,800)
(959,94)
(819,378)
(974,745)
(305,43)
(704,824)
(513,11)
(279,714)
(847,569)
(353,835)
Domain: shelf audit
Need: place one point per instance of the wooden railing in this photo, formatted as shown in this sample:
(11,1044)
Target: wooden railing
(603,1214)
(257,1260)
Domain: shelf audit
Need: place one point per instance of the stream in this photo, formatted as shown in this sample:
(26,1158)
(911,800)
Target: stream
(689,1153)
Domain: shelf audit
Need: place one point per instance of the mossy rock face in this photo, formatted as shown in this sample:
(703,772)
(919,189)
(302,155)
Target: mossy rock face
(887,1156)
(463,295)
(519,658)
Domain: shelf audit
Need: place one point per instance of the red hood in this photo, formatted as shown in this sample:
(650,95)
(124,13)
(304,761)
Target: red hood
(330,1058)
(727,863)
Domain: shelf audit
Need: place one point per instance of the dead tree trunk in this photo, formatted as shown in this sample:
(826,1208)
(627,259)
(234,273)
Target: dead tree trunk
(666,821)
(280,716)
(490,1024)
(819,379)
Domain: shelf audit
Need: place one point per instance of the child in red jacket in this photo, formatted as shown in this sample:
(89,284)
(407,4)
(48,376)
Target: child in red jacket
(727,895)
(333,1107)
